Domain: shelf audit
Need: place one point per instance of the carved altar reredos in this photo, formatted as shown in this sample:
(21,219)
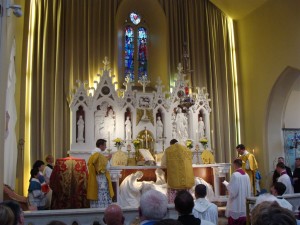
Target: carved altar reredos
(105,109)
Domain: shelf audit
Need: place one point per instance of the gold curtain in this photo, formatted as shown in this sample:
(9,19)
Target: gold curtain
(67,41)
(206,32)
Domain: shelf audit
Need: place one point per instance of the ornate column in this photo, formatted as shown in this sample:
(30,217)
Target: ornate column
(115,175)
(220,171)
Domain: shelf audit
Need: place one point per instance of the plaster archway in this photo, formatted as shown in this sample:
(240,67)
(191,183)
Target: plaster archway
(275,114)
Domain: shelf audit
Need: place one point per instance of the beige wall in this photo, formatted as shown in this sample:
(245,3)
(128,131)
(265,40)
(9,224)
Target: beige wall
(268,42)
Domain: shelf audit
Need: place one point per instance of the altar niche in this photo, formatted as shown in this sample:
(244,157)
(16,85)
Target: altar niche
(154,118)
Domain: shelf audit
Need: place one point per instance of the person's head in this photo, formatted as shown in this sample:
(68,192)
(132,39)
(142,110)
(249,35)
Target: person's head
(39,164)
(200,191)
(34,172)
(184,202)
(269,213)
(113,215)
(297,162)
(280,167)
(240,149)
(56,222)
(6,215)
(138,175)
(17,211)
(101,143)
(49,159)
(280,159)
(153,205)
(173,141)
(237,163)
(168,222)
(278,189)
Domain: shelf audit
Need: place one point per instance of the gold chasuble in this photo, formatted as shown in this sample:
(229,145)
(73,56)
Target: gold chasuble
(97,165)
(179,167)
(250,167)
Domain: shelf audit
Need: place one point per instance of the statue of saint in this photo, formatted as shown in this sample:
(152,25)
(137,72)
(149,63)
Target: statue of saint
(127,128)
(159,128)
(201,128)
(109,123)
(80,129)
(99,123)
(181,125)
(130,190)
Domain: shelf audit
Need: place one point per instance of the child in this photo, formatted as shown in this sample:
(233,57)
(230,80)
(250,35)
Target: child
(35,194)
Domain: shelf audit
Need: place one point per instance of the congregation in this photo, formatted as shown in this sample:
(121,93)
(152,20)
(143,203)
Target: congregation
(153,204)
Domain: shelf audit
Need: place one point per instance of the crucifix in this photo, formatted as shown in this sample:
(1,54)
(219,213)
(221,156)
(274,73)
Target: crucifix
(144,82)
(106,63)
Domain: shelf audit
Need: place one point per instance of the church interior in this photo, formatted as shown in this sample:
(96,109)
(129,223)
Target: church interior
(241,58)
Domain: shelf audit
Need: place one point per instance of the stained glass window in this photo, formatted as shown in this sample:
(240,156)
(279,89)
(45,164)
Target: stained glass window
(135,49)
(142,51)
(135,18)
(129,52)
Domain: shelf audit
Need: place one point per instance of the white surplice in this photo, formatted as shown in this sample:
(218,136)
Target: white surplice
(239,189)
(286,180)
(205,210)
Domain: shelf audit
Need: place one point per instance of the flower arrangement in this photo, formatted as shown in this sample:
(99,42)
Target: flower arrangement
(118,142)
(203,141)
(136,143)
(189,143)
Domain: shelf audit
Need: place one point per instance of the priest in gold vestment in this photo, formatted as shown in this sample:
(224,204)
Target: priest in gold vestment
(249,165)
(99,188)
(178,161)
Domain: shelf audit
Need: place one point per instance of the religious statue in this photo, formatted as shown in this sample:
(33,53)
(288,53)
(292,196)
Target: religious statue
(201,128)
(181,125)
(130,190)
(80,129)
(99,122)
(109,123)
(159,128)
(127,128)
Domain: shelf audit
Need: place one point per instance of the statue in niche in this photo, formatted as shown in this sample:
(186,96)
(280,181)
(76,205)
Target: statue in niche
(99,122)
(130,190)
(201,128)
(159,128)
(181,125)
(127,128)
(80,129)
(109,123)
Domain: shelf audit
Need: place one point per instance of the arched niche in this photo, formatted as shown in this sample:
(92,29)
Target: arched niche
(275,114)
(156,21)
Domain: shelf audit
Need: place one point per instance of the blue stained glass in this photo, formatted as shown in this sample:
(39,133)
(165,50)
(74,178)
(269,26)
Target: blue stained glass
(129,52)
(142,51)
(135,18)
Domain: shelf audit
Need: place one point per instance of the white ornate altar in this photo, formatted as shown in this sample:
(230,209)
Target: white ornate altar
(152,117)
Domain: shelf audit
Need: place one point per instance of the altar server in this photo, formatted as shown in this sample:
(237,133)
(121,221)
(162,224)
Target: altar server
(284,178)
(239,189)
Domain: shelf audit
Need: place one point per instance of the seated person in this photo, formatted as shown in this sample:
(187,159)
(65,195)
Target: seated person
(278,189)
(184,204)
(203,208)
(267,213)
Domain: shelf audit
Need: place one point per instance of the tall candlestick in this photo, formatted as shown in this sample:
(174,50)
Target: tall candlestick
(212,139)
(108,139)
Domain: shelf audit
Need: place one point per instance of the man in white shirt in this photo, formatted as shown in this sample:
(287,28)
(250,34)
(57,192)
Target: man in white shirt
(284,178)
(278,189)
(204,209)
(239,189)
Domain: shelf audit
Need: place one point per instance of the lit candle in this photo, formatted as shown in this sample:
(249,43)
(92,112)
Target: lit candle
(212,139)
(108,139)
(146,139)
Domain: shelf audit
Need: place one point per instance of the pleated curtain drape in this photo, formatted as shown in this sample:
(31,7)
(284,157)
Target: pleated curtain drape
(68,39)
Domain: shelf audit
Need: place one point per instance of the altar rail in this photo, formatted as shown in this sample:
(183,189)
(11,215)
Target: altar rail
(83,216)
(294,199)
